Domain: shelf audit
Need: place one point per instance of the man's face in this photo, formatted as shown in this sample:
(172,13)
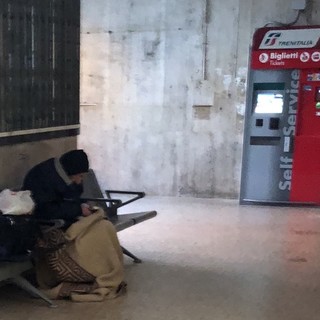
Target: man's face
(77,178)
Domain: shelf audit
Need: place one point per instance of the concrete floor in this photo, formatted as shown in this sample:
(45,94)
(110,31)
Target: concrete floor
(206,259)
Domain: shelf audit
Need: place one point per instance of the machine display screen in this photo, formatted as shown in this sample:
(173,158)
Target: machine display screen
(269,102)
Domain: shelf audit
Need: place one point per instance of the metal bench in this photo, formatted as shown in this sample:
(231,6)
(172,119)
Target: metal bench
(93,194)
(11,272)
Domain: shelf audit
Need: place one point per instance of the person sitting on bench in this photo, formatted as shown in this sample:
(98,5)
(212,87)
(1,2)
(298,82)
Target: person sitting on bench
(82,261)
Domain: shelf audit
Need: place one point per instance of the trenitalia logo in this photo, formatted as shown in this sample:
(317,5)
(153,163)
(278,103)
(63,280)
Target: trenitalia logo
(271,39)
(290,39)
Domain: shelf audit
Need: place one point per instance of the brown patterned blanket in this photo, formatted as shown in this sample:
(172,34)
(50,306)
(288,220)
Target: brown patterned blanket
(83,263)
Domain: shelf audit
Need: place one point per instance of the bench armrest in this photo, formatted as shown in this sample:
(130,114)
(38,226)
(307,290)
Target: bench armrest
(52,224)
(138,194)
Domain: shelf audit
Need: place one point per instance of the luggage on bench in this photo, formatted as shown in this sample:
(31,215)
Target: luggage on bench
(18,235)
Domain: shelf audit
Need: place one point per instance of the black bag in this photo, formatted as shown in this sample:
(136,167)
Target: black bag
(18,235)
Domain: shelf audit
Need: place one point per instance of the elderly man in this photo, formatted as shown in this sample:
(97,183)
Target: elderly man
(84,260)
(55,182)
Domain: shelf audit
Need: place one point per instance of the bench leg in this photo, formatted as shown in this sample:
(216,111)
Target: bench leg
(131,255)
(27,286)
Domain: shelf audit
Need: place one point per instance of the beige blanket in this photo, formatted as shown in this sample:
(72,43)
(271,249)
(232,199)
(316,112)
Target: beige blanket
(84,263)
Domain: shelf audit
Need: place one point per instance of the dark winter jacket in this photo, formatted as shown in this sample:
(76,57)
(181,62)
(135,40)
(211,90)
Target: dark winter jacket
(52,191)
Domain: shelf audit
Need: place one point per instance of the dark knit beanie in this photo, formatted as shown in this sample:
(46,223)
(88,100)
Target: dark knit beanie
(74,162)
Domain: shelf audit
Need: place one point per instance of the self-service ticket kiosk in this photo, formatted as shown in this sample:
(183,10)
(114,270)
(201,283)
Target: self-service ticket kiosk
(281,154)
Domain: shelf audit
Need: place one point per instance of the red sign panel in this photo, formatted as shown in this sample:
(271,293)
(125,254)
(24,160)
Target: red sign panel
(286,48)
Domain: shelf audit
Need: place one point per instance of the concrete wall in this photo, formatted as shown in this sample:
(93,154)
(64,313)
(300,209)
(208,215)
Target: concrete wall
(16,160)
(162,111)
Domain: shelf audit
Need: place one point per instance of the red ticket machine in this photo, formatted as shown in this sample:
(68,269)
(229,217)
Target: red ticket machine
(305,185)
(281,157)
